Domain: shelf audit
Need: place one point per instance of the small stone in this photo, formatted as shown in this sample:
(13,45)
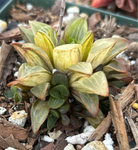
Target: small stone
(79,147)
(47,139)
(73,10)
(95,145)
(89,129)
(136,119)
(3,26)
(69,147)
(2,110)
(135,105)
(18,118)
(84,15)
(108,142)
(16,74)
(10,148)
(29,6)
(55,134)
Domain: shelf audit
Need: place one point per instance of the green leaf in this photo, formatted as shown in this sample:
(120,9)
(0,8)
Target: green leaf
(27,35)
(66,55)
(35,26)
(86,43)
(90,101)
(33,76)
(96,84)
(8,93)
(51,121)
(96,120)
(16,99)
(55,103)
(59,92)
(55,113)
(81,67)
(39,113)
(99,51)
(115,65)
(117,84)
(120,45)
(41,91)
(64,108)
(19,94)
(59,78)
(14,89)
(117,76)
(65,120)
(76,30)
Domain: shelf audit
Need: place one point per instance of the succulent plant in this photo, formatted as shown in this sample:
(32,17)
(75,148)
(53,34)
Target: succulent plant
(68,79)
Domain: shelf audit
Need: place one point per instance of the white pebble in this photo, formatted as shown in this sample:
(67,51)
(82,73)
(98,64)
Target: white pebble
(55,134)
(108,142)
(3,26)
(10,148)
(16,74)
(18,118)
(69,147)
(29,6)
(21,41)
(115,36)
(84,15)
(13,41)
(86,123)
(89,129)
(73,10)
(54,70)
(133,62)
(2,110)
(47,139)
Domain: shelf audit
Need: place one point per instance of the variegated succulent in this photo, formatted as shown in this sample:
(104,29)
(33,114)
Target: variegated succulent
(67,79)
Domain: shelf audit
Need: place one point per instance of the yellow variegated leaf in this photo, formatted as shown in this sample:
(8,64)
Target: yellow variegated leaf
(76,76)
(96,84)
(86,43)
(99,51)
(120,45)
(33,55)
(66,55)
(81,67)
(42,54)
(33,76)
(114,65)
(43,41)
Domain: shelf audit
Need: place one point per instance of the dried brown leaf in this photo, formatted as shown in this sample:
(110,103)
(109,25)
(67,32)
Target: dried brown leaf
(7,128)
(11,142)
(10,35)
(7,58)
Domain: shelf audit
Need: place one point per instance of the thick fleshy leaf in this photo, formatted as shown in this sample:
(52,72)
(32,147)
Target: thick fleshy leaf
(90,101)
(96,84)
(59,92)
(76,76)
(76,31)
(86,43)
(43,41)
(27,35)
(114,65)
(14,89)
(96,120)
(120,45)
(35,26)
(64,108)
(55,113)
(55,103)
(19,85)
(33,76)
(42,54)
(39,113)
(66,55)
(16,99)
(81,67)
(33,55)
(59,78)
(65,120)
(117,84)
(51,121)
(117,76)
(41,91)
(99,51)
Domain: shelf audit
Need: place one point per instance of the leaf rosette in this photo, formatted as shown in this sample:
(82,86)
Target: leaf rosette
(77,73)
